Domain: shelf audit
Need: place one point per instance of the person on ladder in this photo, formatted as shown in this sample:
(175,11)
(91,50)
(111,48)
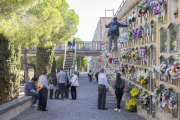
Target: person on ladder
(113,32)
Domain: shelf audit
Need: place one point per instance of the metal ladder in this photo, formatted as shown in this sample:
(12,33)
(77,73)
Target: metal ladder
(69,62)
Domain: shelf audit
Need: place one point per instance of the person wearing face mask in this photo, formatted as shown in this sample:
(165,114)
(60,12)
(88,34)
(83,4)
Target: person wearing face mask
(29,90)
(43,90)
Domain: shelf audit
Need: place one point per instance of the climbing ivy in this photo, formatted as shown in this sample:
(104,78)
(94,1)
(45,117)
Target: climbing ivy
(9,70)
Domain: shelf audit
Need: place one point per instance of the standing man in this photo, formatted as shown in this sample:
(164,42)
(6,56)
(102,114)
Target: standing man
(61,78)
(29,90)
(113,32)
(43,91)
(69,45)
(74,43)
(102,88)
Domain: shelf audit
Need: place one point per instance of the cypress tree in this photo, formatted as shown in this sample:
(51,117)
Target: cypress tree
(44,59)
(9,70)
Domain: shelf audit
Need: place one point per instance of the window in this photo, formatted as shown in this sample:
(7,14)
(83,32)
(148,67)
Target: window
(153,30)
(173,37)
(163,40)
(174,97)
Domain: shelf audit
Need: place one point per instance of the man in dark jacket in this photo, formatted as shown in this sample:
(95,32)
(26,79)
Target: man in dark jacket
(69,45)
(113,32)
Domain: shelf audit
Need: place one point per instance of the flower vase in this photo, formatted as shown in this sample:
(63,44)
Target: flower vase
(153,114)
(148,110)
(142,106)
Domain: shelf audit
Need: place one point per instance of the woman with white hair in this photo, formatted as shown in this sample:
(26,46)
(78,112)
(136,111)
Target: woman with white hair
(74,84)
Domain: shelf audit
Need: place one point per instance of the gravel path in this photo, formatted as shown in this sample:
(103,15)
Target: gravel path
(84,108)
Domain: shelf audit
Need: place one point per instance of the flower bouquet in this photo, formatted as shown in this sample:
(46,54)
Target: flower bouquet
(144,99)
(155,69)
(172,102)
(131,105)
(164,97)
(156,8)
(134,92)
(137,33)
(156,95)
(142,53)
(142,9)
(127,89)
(163,67)
(142,77)
(130,34)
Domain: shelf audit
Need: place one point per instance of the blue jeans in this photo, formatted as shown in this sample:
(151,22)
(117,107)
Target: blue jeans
(69,47)
(34,95)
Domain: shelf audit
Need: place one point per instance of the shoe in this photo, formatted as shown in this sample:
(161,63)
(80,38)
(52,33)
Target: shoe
(116,109)
(61,98)
(72,99)
(45,110)
(119,110)
(104,109)
(35,105)
(99,108)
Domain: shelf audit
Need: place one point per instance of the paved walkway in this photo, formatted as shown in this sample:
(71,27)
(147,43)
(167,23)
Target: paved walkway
(84,108)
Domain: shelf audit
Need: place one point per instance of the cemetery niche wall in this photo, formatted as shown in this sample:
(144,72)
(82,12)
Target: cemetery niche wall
(148,58)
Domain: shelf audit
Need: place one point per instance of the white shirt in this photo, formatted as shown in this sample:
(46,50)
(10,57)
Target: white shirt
(102,79)
(43,81)
(74,80)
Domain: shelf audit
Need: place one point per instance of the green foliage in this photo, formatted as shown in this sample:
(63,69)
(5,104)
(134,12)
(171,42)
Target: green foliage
(44,59)
(176,11)
(9,70)
(41,21)
(59,62)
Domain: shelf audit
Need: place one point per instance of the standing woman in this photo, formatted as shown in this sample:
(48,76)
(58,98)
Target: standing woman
(119,87)
(52,84)
(74,84)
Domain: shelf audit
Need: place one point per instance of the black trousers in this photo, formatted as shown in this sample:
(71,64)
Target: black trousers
(119,94)
(73,92)
(43,94)
(101,96)
(90,78)
(62,89)
(51,93)
(66,92)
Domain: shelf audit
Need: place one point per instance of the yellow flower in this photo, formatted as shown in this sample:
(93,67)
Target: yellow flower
(128,72)
(134,92)
(138,81)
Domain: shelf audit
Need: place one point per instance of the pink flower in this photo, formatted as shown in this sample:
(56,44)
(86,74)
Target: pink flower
(170,104)
(163,99)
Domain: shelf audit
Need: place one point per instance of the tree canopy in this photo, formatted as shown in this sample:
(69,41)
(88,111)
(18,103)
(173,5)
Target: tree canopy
(32,22)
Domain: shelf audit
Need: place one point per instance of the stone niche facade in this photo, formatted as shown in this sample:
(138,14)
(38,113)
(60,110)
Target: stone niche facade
(160,37)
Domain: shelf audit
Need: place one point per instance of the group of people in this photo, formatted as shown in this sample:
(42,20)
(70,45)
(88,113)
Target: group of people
(103,88)
(90,75)
(60,82)
(71,44)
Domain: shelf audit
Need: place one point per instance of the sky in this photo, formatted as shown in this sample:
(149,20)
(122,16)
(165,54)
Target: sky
(89,12)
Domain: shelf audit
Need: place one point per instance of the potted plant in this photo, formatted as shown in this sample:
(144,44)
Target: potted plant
(176,13)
